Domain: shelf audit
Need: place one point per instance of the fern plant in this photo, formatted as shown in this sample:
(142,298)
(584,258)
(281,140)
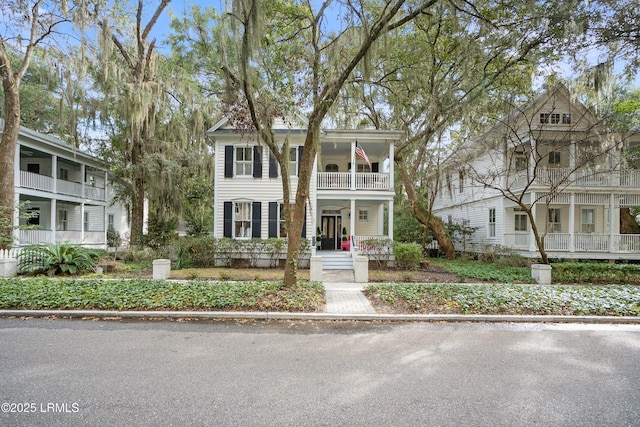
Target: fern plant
(57,258)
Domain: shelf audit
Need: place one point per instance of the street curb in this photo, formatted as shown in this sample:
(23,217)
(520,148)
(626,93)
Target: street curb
(267,315)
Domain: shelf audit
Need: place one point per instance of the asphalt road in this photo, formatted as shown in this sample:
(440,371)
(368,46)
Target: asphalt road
(110,373)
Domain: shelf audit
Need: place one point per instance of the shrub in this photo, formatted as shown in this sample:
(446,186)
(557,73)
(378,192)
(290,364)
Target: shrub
(57,258)
(593,272)
(408,255)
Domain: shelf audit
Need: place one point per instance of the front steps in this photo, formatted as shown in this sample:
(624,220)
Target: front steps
(336,260)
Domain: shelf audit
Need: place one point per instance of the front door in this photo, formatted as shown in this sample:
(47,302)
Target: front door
(330,232)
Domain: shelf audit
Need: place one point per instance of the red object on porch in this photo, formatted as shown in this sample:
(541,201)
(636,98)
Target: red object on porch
(346,244)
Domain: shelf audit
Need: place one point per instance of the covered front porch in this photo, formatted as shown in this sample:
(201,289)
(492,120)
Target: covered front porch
(343,224)
(575,225)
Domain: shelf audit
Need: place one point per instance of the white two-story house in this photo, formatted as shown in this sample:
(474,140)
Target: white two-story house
(555,156)
(68,193)
(347,193)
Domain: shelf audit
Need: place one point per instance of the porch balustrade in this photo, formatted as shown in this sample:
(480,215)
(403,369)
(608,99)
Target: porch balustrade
(360,242)
(342,181)
(582,242)
(583,178)
(36,181)
(46,183)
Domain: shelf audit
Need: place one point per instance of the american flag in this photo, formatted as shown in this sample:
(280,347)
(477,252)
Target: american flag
(360,153)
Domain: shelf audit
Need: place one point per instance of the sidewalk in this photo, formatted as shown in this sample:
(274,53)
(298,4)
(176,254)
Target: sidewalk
(343,295)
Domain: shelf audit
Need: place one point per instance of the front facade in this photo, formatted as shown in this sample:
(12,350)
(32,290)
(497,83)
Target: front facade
(67,193)
(553,156)
(348,196)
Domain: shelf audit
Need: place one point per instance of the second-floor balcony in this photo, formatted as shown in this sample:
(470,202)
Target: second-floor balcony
(344,181)
(46,183)
(563,177)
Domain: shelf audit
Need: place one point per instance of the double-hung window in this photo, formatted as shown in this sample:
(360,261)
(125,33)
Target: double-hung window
(62,220)
(244,161)
(520,222)
(587,224)
(293,161)
(242,219)
(553,221)
(492,222)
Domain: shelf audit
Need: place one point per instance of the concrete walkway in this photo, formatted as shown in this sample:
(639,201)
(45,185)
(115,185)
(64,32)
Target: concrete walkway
(343,295)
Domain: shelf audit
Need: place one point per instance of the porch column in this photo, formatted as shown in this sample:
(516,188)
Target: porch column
(572,157)
(16,217)
(532,238)
(391,166)
(353,165)
(611,227)
(54,218)
(390,223)
(572,214)
(380,231)
(352,222)
(16,167)
(82,219)
(83,177)
(54,172)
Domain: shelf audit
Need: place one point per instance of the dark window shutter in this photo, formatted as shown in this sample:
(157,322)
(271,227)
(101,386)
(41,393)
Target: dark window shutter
(304,224)
(228,161)
(273,167)
(256,220)
(273,219)
(228,219)
(349,166)
(300,150)
(257,162)
(375,167)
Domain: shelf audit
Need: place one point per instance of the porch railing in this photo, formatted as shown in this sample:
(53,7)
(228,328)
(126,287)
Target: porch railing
(36,181)
(360,242)
(364,181)
(46,183)
(582,242)
(629,178)
(34,237)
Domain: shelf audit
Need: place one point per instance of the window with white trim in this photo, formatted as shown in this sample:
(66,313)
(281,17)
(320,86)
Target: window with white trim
(363,215)
(554,221)
(520,222)
(587,224)
(62,219)
(461,181)
(566,118)
(554,158)
(64,174)
(293,161)
(110,222)
(86,221)
(492,222)
(363,168)
(244,161)
(242,219)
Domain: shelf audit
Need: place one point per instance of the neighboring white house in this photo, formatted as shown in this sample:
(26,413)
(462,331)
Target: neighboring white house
(68,192)
(554,154)
(346,191)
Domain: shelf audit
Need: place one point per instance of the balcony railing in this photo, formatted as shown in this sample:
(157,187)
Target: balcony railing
(342,181)
(46,183)
(583,178)
(36,181)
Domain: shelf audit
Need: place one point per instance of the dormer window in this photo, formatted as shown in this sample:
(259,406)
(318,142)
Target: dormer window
(554,118)
(566,118)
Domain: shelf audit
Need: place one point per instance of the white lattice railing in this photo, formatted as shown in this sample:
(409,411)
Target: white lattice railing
(360,242)
(582,177)
(626,242)
(69,187)
(591,242)
(557,242)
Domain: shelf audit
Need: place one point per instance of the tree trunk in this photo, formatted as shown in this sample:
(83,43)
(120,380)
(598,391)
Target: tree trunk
(425,217)
(536,234)
(302,195)
(628,224)
(137,192)
(7,157)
